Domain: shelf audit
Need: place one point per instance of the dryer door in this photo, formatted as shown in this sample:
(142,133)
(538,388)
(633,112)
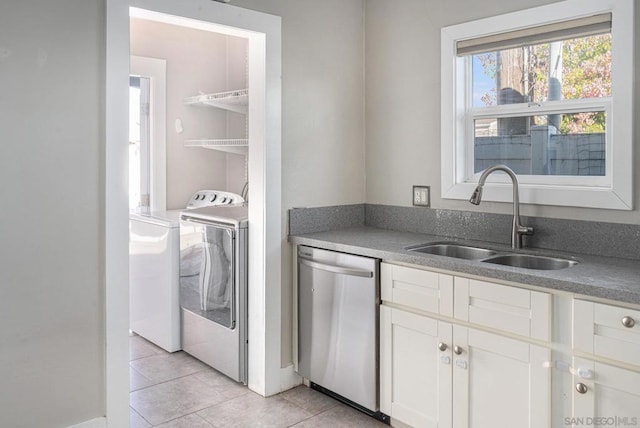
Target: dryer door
(207,276)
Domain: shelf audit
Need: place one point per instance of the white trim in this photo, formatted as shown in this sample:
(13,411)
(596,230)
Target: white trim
(93,423)
(617,192)
(156,69)
(289,378)
(265,234)
(116,222)
(552,107)
(265,231)
(294,314)
(548,107)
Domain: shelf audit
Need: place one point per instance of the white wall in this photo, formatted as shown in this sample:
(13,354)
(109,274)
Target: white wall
(237,173)
(51,75)
(322,112)
(51,169)
(322,99)
(196,62)
(403,103)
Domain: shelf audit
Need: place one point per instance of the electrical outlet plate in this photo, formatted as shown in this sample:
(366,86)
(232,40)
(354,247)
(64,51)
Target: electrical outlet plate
(421,196)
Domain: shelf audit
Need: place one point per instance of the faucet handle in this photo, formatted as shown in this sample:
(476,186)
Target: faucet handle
(525,230)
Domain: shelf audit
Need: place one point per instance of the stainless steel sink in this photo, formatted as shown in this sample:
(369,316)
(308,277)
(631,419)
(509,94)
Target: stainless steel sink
(529,261)
(484,255)
(457,251)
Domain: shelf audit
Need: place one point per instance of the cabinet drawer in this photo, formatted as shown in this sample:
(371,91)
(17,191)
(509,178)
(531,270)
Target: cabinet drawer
(610,391)
(501,307)
(419,289)
(608,331)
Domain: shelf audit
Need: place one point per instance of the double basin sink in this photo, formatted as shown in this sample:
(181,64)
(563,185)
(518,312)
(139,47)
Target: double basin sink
(519,260)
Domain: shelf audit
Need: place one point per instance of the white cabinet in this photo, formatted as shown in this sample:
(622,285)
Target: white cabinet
(607,331)
(610,397)
(417,288)
(499,382)
(605,392)
(415,377)
(439,370)
(501,307)
(468,353)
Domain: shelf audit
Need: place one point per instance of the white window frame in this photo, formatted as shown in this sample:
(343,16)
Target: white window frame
(156,70)
(615,189)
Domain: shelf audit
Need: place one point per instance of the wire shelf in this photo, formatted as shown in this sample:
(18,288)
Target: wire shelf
(230,100)
(237,145)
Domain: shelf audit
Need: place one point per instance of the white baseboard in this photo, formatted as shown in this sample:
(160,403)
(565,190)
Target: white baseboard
(93,423)
(289,378)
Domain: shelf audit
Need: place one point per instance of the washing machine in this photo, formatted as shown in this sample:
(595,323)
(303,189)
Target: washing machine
(154,269)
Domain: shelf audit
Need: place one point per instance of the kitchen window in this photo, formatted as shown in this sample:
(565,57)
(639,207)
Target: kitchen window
(548,92)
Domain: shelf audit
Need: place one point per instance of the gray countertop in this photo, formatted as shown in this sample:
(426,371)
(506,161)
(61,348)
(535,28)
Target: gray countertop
(603,277)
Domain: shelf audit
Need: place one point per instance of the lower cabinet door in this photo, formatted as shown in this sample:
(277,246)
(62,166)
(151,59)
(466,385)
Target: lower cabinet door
(415,368)
(499,382)
(604,395)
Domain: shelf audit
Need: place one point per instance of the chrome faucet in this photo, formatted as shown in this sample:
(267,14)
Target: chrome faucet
(517,229)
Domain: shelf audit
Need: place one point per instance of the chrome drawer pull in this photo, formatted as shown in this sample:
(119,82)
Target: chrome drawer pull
(442,346)
(581,388)
(628,322)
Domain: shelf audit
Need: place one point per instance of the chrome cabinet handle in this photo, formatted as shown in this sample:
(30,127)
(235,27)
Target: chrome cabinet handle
(628,322)
(442,346)
(335,269)
(581,388)
(458,350)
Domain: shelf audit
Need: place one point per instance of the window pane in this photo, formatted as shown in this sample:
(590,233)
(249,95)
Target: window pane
(570,69)
(587,67)
(134,144)
(532,145)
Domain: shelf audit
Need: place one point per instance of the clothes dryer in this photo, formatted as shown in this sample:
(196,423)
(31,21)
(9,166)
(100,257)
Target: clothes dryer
(213,287)
(154,269)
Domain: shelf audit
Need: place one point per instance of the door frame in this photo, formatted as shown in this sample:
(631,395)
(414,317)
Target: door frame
(265,208)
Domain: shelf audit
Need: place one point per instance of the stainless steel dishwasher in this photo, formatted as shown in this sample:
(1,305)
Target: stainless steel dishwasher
(338,311)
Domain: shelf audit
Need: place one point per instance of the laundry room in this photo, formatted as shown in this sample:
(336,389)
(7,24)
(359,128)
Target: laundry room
(206,143)
(188,201)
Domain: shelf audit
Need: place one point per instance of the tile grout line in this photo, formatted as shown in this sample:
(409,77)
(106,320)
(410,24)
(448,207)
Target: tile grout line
(312,414)
(142,417)
(162,382)
(310,417)
(170,380)
(226,399)
(187,414)
(204,369)
(306,410)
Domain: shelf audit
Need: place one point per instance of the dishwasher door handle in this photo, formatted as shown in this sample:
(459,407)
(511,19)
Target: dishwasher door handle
(335,269)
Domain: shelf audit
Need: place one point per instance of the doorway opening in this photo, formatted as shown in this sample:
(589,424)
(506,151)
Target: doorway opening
(263,32)
(187,285)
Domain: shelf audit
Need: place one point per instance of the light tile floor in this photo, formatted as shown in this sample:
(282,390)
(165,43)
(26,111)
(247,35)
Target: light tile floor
(177,391)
